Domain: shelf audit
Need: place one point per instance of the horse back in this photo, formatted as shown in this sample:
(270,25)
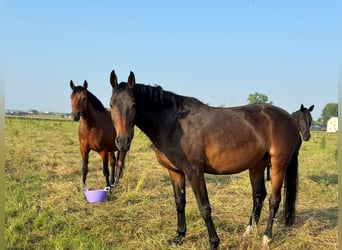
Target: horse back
(231,140)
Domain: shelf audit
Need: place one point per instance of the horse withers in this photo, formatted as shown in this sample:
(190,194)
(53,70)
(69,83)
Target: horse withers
(95,132)
(191,139)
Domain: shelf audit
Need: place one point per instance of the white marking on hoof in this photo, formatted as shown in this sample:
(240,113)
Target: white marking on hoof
(248,231)
(266,242)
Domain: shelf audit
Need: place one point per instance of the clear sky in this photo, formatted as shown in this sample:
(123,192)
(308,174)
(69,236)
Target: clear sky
(216,51)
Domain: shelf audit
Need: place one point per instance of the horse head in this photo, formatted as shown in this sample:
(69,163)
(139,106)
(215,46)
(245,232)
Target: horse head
(304,120)
(78,99)
(123,110)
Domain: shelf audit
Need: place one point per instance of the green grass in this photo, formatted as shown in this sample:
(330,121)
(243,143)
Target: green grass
(46,208)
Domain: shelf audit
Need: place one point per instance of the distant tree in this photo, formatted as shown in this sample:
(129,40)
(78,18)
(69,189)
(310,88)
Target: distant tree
(256,98)
(330,109)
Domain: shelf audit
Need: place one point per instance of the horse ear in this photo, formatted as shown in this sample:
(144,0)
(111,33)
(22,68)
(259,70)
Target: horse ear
(302,107)
(311,108)
(113,80)
(72,85)
(85,84)
(131,80)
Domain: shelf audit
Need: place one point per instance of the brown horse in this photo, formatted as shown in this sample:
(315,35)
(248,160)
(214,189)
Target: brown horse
(95,132)
(191,138)
(303,119)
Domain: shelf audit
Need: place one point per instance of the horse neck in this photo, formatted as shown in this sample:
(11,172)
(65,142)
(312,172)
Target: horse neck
(89,116)
(147,121)
(155,121)
(295,116)
(158,111)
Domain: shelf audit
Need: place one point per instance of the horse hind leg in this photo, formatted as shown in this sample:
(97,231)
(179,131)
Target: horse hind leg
(291,188)
(259,194)
(268,172)
(278,171)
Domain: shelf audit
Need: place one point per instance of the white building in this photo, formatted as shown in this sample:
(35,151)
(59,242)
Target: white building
(332,125)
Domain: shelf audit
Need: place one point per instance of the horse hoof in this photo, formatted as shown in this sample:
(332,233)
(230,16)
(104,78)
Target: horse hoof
(265,242)
(177,241)
(248,231)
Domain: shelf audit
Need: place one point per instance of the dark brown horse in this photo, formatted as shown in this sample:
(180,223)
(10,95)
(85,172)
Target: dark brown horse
(303,119)
(95,132)
(191,138)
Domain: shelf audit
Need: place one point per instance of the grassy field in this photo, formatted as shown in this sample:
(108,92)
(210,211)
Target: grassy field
(46,208)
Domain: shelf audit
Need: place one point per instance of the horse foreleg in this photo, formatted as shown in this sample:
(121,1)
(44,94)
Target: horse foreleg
(178,184)
(119,167)
(84,172)
(112,162)
(85,160)
(259,194)
(200,190)
(105,169)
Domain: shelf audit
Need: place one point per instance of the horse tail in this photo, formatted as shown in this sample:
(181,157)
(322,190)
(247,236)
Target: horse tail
(291,188)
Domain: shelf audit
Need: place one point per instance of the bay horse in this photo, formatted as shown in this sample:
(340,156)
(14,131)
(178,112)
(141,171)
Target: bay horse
(303,119)
(190,138)
(95,132)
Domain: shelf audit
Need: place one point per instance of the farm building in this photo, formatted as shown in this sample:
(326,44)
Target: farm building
(332,125)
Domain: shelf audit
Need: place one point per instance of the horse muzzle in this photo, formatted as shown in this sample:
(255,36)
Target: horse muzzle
(306,136)
(123,143)
(76,116)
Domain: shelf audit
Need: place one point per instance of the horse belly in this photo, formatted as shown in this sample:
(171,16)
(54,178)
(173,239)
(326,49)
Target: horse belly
(223,159)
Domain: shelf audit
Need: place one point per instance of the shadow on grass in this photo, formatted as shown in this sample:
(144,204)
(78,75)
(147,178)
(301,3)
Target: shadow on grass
(325,179)
(326,218)
(213,179)
(221,179)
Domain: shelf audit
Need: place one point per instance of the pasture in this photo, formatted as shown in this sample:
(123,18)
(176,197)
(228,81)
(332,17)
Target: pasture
(45,207)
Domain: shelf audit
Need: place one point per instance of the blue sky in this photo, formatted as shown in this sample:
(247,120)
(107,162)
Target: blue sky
(216,51)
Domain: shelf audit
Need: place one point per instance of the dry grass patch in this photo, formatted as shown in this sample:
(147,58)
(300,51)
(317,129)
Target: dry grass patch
(46,208)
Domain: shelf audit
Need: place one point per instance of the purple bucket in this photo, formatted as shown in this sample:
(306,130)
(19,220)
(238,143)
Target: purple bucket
(96,195)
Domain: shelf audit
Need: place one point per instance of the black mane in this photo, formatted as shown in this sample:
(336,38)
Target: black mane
(296,115)
(156,95)
(96,103)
